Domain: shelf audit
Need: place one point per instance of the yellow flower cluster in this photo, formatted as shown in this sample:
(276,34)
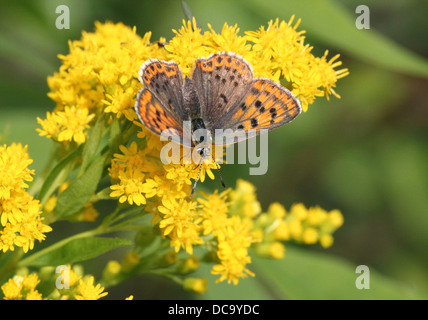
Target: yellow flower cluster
(79,288)
(287,57)
(270,229)
(302,225)
(99,75)
(22,288)
(138,174)
(186,223)
(21,223)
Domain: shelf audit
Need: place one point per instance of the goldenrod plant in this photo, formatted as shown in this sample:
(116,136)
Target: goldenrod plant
(88,206)
(102,152)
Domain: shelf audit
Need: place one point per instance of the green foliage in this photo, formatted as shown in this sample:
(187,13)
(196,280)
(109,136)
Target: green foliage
(73,250)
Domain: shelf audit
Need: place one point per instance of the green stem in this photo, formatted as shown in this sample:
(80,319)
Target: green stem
(10,265)
(38,182)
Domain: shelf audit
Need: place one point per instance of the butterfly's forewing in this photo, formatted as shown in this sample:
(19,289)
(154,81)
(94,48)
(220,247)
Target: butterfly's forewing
(266,105)
(155,117)
(159,105)
(220,81)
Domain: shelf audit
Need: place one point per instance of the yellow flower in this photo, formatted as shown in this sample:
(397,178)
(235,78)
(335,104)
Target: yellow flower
(87,291)
(170,257)
(190,264)
(195,284)
(12,290)
(326,240)
(67,125)
(309,225)
(335,218)
(180,223)
(33,295)
(20,215)
(244,200)
(291,59)
(99,73)
(187,45)
(130,188)
(31,226)
(214,212)
(228,40)
(73,123)
(22,287)
(232,251)
(120,100)
(111,270)
(50,126)
(310,236)
(14,161)
(277,250)
(89,213)
(277,210)
(130,261)
(282,231)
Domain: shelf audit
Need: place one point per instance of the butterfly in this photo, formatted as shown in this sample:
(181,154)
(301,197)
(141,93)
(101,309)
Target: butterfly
(222,93)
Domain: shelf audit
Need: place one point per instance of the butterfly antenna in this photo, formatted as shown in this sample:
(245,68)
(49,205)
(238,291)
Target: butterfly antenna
(197,179)
(219,171)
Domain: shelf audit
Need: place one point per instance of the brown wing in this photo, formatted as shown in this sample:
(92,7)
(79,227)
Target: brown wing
(156,118)
(220,81)
(266,105)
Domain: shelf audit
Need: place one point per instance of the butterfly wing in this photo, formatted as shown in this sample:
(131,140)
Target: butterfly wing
(220,81)
(160,105)
(231,99)
(266,105)
(156,118)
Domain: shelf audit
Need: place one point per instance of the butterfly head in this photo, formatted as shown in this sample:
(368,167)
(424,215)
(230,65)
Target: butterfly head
(204,152)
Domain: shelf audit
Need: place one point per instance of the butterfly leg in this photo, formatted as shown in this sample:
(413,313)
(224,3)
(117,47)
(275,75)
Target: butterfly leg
(218,168)
(197,178)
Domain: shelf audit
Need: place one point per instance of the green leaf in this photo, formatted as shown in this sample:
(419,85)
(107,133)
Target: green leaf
(57,175)
(304,274)
(74,198)
(115,135)
(91,146)
(333,24)
(72,250)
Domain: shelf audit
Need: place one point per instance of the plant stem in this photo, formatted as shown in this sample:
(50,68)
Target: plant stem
(11,264)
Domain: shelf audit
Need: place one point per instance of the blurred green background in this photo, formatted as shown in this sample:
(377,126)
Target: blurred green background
(365,154)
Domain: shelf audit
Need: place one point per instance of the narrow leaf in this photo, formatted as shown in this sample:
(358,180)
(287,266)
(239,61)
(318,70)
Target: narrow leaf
(304,274)
(57,175)
(332,23)
(73,250)
(91,146)
(74,198)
